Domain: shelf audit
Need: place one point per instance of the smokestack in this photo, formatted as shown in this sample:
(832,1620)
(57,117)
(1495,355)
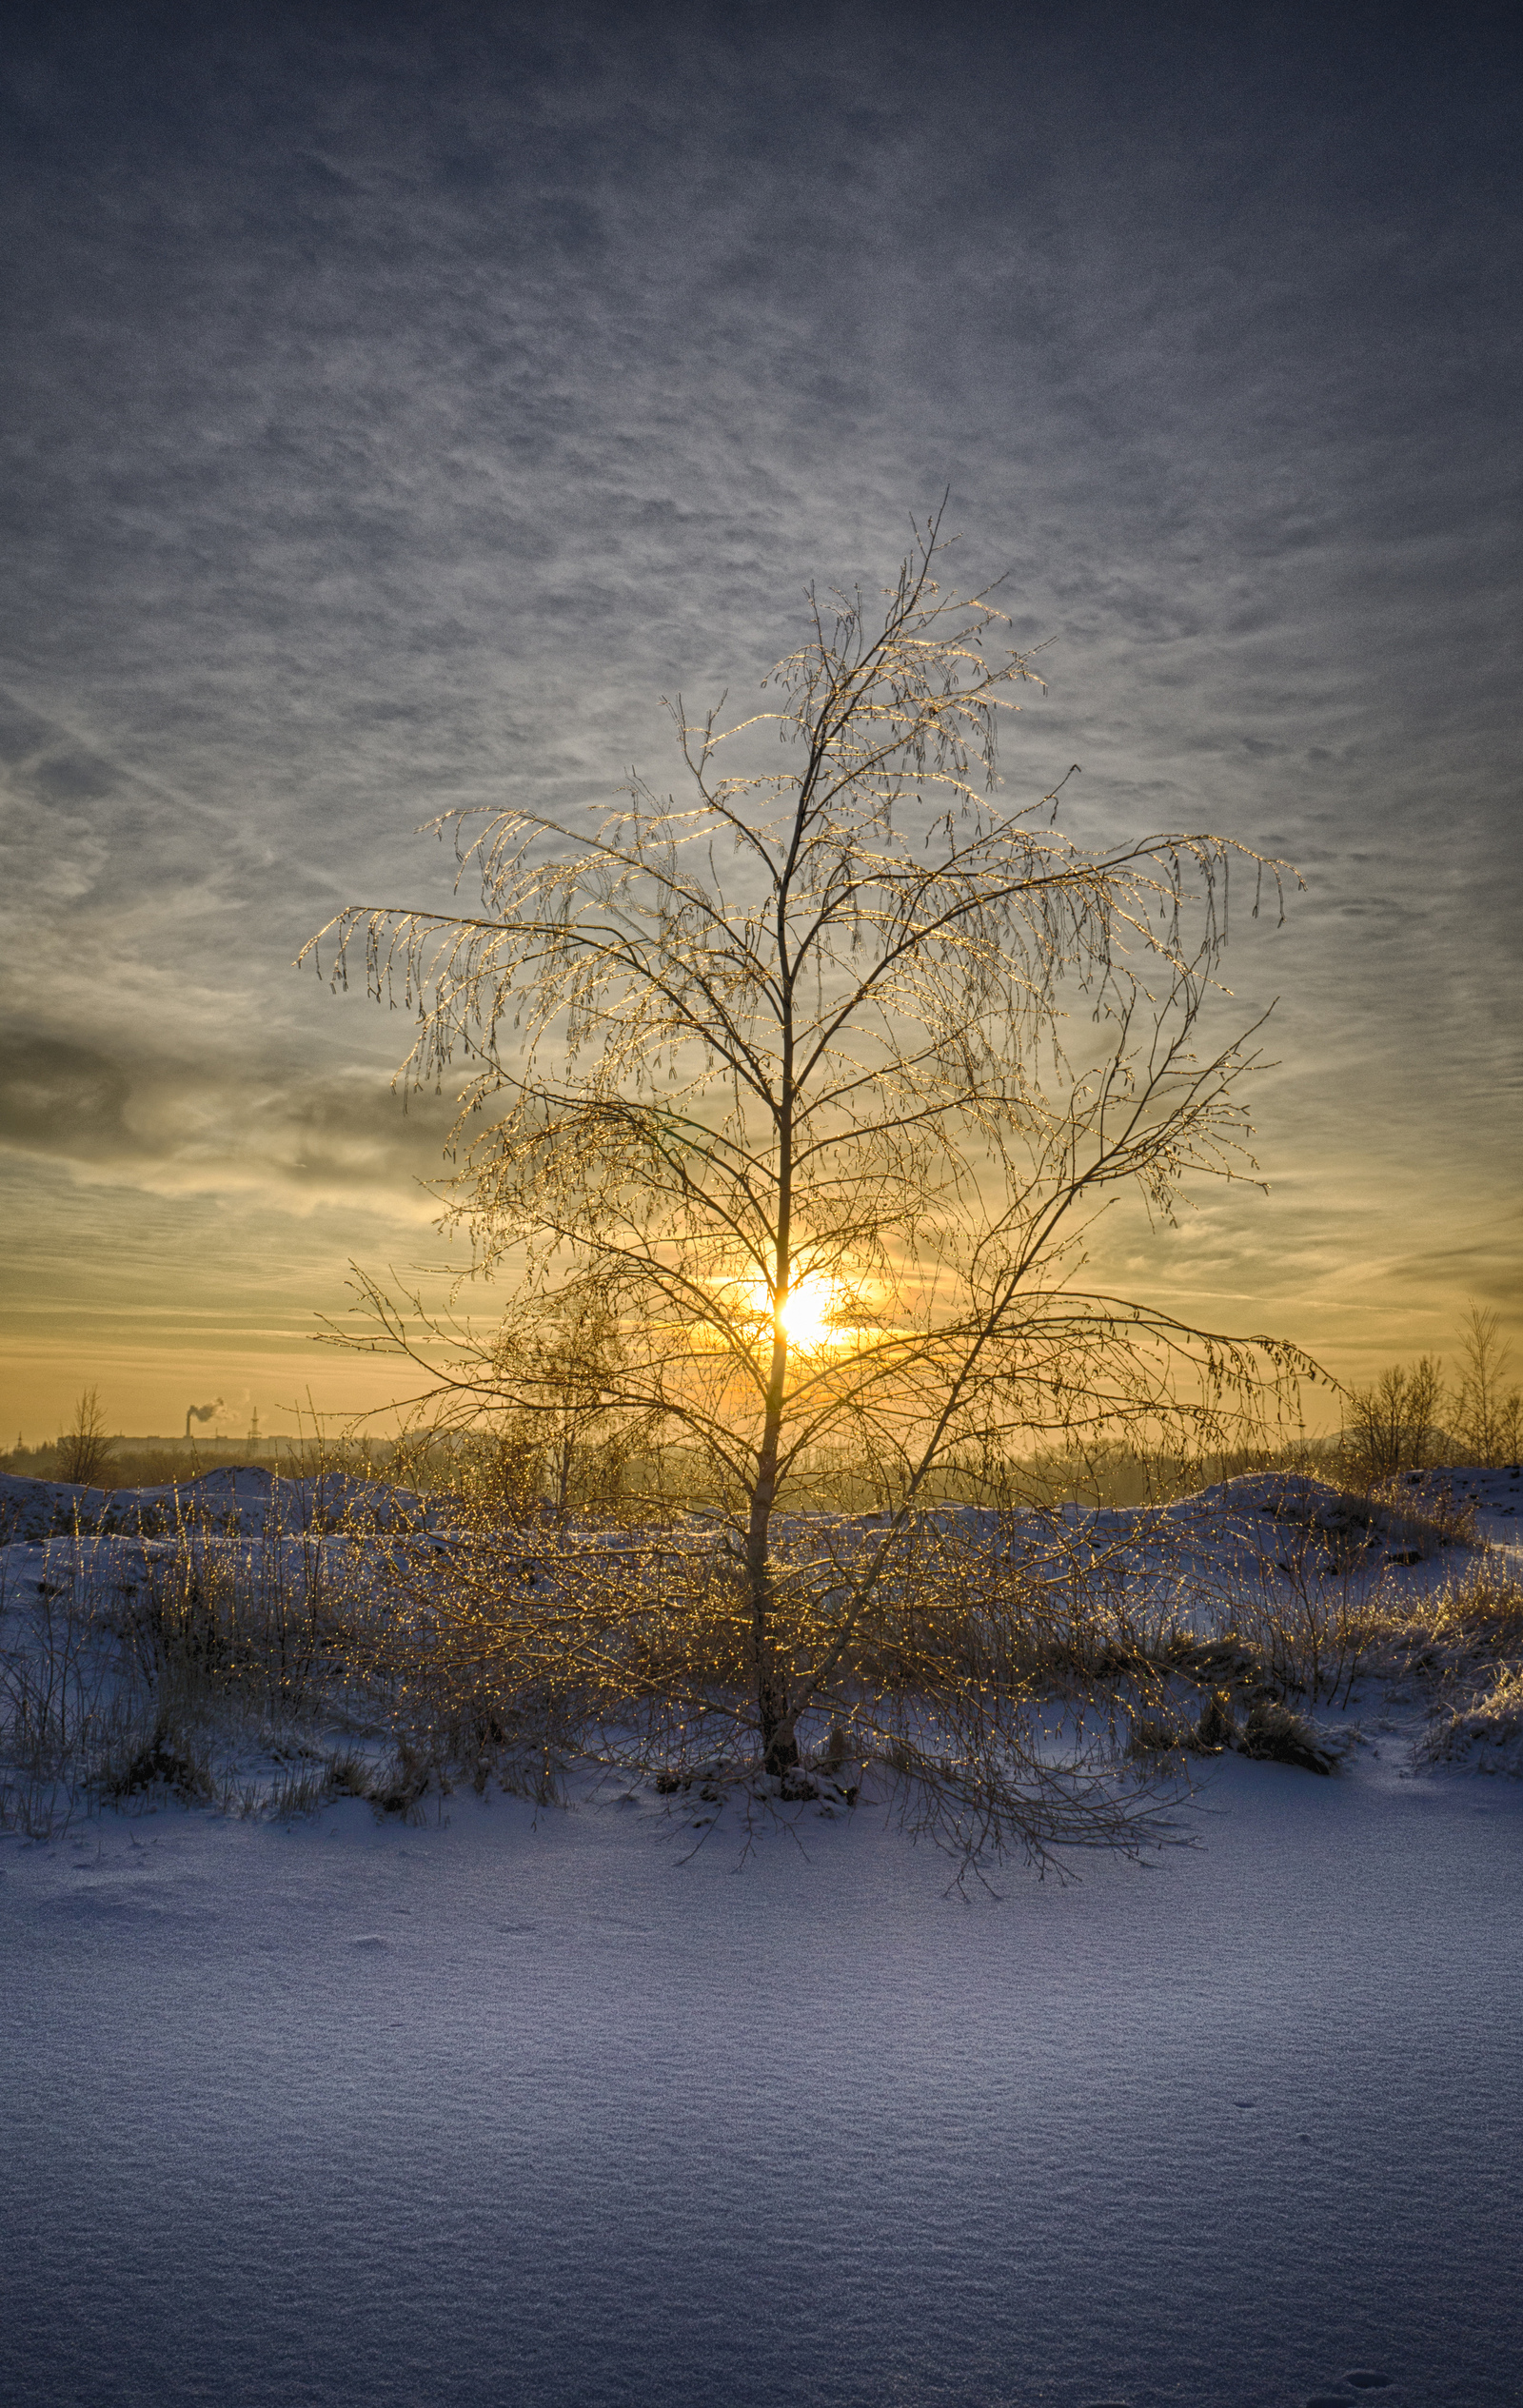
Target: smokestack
(200,1412)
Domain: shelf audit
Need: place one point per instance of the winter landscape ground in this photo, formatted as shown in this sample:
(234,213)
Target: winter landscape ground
(583,2105)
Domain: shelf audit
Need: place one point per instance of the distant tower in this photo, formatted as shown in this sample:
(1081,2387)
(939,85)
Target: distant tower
(253,1429)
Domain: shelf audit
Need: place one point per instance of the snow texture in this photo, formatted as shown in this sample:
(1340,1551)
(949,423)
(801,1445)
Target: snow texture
(507,2112)
(243,1499)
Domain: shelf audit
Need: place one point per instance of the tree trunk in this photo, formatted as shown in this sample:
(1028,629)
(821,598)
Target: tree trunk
(780,1749)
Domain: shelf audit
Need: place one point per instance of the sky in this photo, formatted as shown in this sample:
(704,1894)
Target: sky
(399,402)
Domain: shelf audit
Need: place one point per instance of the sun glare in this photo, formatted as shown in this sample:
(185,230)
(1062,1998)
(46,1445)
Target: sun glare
(809,1314)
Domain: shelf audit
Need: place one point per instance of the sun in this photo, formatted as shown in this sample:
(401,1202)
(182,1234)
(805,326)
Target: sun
(809,1315)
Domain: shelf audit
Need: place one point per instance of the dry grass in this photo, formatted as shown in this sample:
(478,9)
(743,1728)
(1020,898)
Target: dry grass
(1489,1716)
(1460,1644)
(503,1658)
(129,1673)
(1471,1623)
(1465,1644)
(1269,1733)
(1320,1603)
(996,1705)
(1416,1531)
(1304,1629)
(1002,1704)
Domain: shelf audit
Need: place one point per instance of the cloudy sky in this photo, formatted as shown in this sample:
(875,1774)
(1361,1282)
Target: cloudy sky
(399,401)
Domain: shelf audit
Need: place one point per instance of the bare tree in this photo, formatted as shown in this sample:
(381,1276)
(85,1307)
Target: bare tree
(811,1085)
(1488,1413)
(85,1448)
(541,1401)
(1391,1426)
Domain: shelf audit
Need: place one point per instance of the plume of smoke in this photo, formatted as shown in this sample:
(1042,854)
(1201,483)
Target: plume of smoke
(200,1412)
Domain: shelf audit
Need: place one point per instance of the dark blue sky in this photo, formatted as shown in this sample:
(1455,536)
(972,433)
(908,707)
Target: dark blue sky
(399,401)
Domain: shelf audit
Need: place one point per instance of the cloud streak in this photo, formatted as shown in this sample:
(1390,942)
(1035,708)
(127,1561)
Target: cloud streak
(174,1127)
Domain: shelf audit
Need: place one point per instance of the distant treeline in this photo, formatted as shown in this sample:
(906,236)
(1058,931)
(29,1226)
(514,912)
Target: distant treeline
(507,1476)
(518,1464)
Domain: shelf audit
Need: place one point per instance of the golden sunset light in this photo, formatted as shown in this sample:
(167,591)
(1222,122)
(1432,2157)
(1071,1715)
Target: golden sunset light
(809,1314)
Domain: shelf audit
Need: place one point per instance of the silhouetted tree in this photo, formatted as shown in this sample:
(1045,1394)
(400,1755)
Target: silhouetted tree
(779,1087)
(85,1448)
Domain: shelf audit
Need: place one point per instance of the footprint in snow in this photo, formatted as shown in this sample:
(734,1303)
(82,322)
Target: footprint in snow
(369,1940)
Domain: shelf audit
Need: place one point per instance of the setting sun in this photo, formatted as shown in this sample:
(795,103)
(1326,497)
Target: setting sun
(809,1315)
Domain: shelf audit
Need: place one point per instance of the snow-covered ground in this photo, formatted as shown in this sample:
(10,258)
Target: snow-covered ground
(559,2112)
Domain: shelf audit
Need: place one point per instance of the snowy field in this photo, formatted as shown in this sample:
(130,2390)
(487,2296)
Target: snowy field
(555,2112)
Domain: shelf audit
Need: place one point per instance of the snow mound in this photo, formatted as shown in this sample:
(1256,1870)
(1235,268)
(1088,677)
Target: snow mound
(241,1500)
